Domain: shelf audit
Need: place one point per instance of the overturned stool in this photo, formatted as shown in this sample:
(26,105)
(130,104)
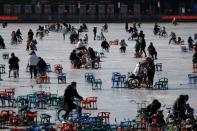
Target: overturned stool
(61,78)
(158,67)
(5,56)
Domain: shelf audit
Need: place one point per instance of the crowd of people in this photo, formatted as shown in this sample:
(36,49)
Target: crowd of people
(16,37)
(82,56)
(35,65)
(140,44)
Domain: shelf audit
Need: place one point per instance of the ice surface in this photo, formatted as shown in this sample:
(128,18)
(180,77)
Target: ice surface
(55,50)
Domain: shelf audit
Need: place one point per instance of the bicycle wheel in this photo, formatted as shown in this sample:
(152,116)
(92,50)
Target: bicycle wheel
(96,65)
(133,83)
(60,114)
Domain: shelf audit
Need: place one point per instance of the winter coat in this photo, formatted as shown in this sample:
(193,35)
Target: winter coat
(153,107)
(179,106)
(137,46)
(69,95)
(33,60)
(92,54)
(73,56)
(41,64)
(143,44)
(123,44)
(13,61)
(105,44)
(195,58)
(151,49)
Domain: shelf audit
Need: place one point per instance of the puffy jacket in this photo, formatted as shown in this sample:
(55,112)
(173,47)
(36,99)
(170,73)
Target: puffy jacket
(69,95)
(13,61)
(33,60)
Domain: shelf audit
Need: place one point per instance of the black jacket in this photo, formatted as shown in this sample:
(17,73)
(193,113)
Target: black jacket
(151,49)
(2,44)
(69,95)
(92,54)
(73,56)
(105,44)
(195,58)
(41,64)
(13,61)
(95,30)
(143,44)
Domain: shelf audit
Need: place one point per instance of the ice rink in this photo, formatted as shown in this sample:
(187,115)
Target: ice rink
(176,67)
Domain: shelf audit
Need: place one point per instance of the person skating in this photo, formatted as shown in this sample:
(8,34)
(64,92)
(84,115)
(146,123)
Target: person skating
(14,65)
(2,44)
(190,42)
(143,46)
(33,61)
(152,51)
(94,31)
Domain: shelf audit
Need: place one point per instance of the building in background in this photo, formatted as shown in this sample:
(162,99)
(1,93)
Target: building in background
(95,9)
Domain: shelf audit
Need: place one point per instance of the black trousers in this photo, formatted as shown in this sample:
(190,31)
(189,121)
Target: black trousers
(151,77)
(94,36)
(70,107)
(143,50)
(33,69)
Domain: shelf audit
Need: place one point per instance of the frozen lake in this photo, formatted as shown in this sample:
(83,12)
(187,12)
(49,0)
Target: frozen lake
(176,66)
